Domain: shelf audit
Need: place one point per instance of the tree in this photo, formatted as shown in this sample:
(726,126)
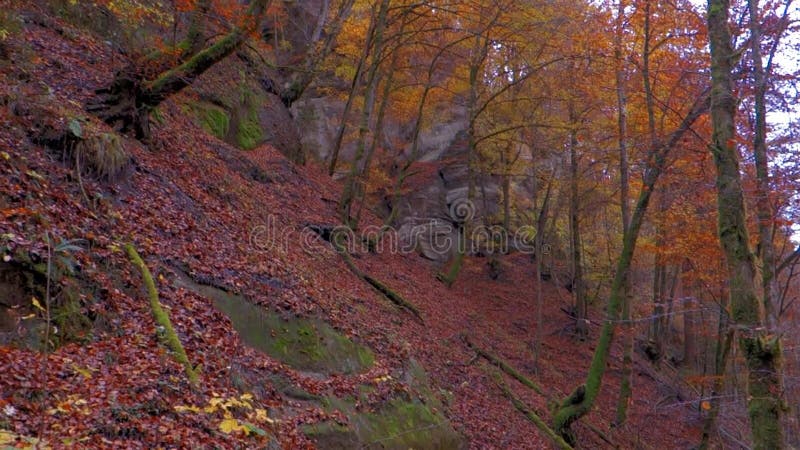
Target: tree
(127,102)
(761,349)
(581,400)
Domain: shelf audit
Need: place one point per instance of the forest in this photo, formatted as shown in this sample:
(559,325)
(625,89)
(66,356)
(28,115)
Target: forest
(347,224)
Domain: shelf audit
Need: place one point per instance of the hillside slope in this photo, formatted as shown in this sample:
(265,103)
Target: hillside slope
(238,221)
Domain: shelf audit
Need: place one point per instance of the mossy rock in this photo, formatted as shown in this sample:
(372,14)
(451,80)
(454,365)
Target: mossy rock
(402,422)
(399,424)
(304,344)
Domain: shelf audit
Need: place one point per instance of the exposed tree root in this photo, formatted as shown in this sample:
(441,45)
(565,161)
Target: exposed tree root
(510,371)
(335,238)
(502,365)
(169,338)
(531,415)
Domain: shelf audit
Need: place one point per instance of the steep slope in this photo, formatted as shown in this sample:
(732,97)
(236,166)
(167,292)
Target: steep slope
(238,221)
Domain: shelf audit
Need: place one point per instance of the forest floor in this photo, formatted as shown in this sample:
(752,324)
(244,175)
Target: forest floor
(239,220)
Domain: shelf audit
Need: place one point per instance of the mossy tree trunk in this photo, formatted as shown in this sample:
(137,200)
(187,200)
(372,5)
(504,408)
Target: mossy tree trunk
(170,337)
(761,350)
(541,223)
(625,388)
(764,210)
(127,102)
(581,401)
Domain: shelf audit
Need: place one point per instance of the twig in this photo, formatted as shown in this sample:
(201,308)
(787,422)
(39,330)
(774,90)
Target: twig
(45,359)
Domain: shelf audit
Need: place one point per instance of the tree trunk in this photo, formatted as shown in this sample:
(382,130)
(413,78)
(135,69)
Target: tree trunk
(763,206)
(625,388)
(581,308)
(337,146)
(581,401)
(689,334)
(541,222)
(127,102)
(351,185)
(722,350)
(762,351)
(387,90)
(504,162)
(318,51)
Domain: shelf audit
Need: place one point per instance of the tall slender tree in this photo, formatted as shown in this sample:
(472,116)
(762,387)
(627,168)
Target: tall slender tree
(761,349)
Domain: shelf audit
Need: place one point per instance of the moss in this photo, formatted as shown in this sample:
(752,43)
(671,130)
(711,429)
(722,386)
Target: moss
(531,415)
(72,323)
(304,344)
(214,119)
(400,422)
(169,337)
(248,133)
(157,116)
(397,424)
(505,367)
(337,239)
(365,356)
(764,406)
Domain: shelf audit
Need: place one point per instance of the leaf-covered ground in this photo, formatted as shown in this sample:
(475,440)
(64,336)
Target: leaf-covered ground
(238,219)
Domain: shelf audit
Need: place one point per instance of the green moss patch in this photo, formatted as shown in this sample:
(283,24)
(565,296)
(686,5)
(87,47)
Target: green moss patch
(248,132)
(214,119)
(400,423)
(304,344)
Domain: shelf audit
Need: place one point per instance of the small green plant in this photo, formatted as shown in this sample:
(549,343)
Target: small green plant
(9,24)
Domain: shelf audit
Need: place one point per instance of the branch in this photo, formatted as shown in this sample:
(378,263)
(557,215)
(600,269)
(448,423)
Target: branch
(169,337)
(791,259)
(505,367)
(532,416)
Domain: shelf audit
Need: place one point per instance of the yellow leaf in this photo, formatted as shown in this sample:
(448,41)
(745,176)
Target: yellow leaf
(230,425)
(36,304)
(181,408)
(706,405)
(7,437)
(85,372)
(382,379)
(261,416)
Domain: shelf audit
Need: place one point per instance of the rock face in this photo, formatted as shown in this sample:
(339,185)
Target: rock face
(434,202)
(318,119)
(436,205)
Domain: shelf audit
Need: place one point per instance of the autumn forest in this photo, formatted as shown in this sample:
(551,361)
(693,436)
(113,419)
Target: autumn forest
(399,224)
